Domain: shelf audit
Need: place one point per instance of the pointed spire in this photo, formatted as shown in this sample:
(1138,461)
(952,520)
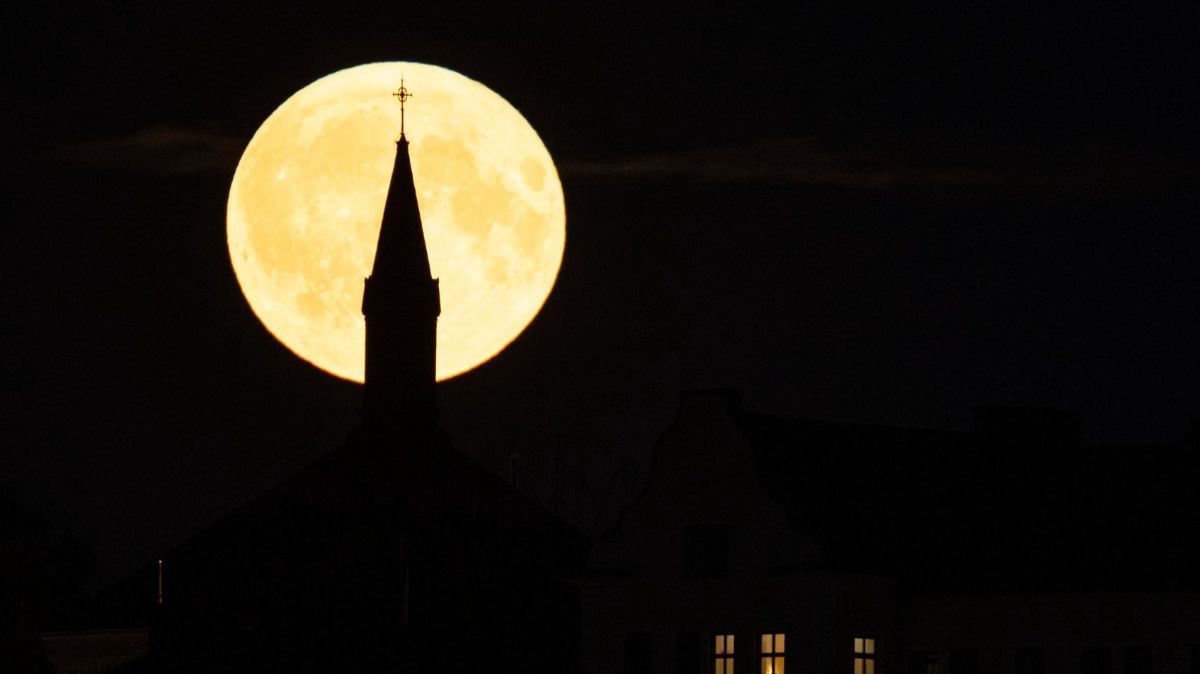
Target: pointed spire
(400,252)
(401,304)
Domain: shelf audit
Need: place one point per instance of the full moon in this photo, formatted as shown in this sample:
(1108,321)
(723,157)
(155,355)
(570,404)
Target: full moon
(307,200)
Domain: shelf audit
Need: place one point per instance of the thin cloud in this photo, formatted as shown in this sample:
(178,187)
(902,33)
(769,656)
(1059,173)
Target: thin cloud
(887,167)
(158,149)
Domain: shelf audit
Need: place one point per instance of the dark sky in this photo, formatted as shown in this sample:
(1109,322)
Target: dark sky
(852,212)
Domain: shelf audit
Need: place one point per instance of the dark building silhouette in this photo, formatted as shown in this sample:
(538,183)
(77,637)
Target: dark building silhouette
(393,552)
(758,544)
(44,576)
(766,544)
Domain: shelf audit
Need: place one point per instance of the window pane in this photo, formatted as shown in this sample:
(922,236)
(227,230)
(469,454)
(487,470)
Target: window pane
(720,665)
(870,644)
(870,666)
(778,643)
(858,666)
(729,645)
(772,665)
(858,646)
(766,644)
(719,646)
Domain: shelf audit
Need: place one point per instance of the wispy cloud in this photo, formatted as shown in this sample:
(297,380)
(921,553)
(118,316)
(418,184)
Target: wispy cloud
(888,166)
(158,149)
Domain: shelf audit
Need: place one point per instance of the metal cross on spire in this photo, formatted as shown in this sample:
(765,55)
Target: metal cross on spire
(402,94)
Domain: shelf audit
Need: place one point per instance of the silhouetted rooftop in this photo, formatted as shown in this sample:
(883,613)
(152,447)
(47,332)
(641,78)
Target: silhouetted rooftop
(1016,504)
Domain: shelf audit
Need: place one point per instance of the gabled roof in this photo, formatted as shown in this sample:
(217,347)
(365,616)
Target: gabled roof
(1016,504)
(1015,507)
(322,555)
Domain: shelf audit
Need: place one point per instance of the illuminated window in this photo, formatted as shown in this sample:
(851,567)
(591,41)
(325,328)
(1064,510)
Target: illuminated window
(723,654)
(771,653)
(864,655)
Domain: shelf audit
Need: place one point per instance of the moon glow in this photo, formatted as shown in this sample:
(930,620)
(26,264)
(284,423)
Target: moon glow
(307,200)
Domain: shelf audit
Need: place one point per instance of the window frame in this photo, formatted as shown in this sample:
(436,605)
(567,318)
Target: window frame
(866,655)
(772,652)
(723,652)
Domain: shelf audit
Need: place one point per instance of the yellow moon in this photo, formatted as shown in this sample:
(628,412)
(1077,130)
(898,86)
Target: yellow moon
(307,197)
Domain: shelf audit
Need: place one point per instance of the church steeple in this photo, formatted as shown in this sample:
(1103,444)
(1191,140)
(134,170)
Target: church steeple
(401,304)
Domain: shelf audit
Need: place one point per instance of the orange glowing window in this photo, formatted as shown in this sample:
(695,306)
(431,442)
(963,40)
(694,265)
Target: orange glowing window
(771,653)
(723,654)
(864,655)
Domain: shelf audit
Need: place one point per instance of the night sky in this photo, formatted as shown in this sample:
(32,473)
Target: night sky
(853,213)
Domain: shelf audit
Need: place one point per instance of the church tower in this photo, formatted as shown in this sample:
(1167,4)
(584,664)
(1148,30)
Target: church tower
(401,304)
